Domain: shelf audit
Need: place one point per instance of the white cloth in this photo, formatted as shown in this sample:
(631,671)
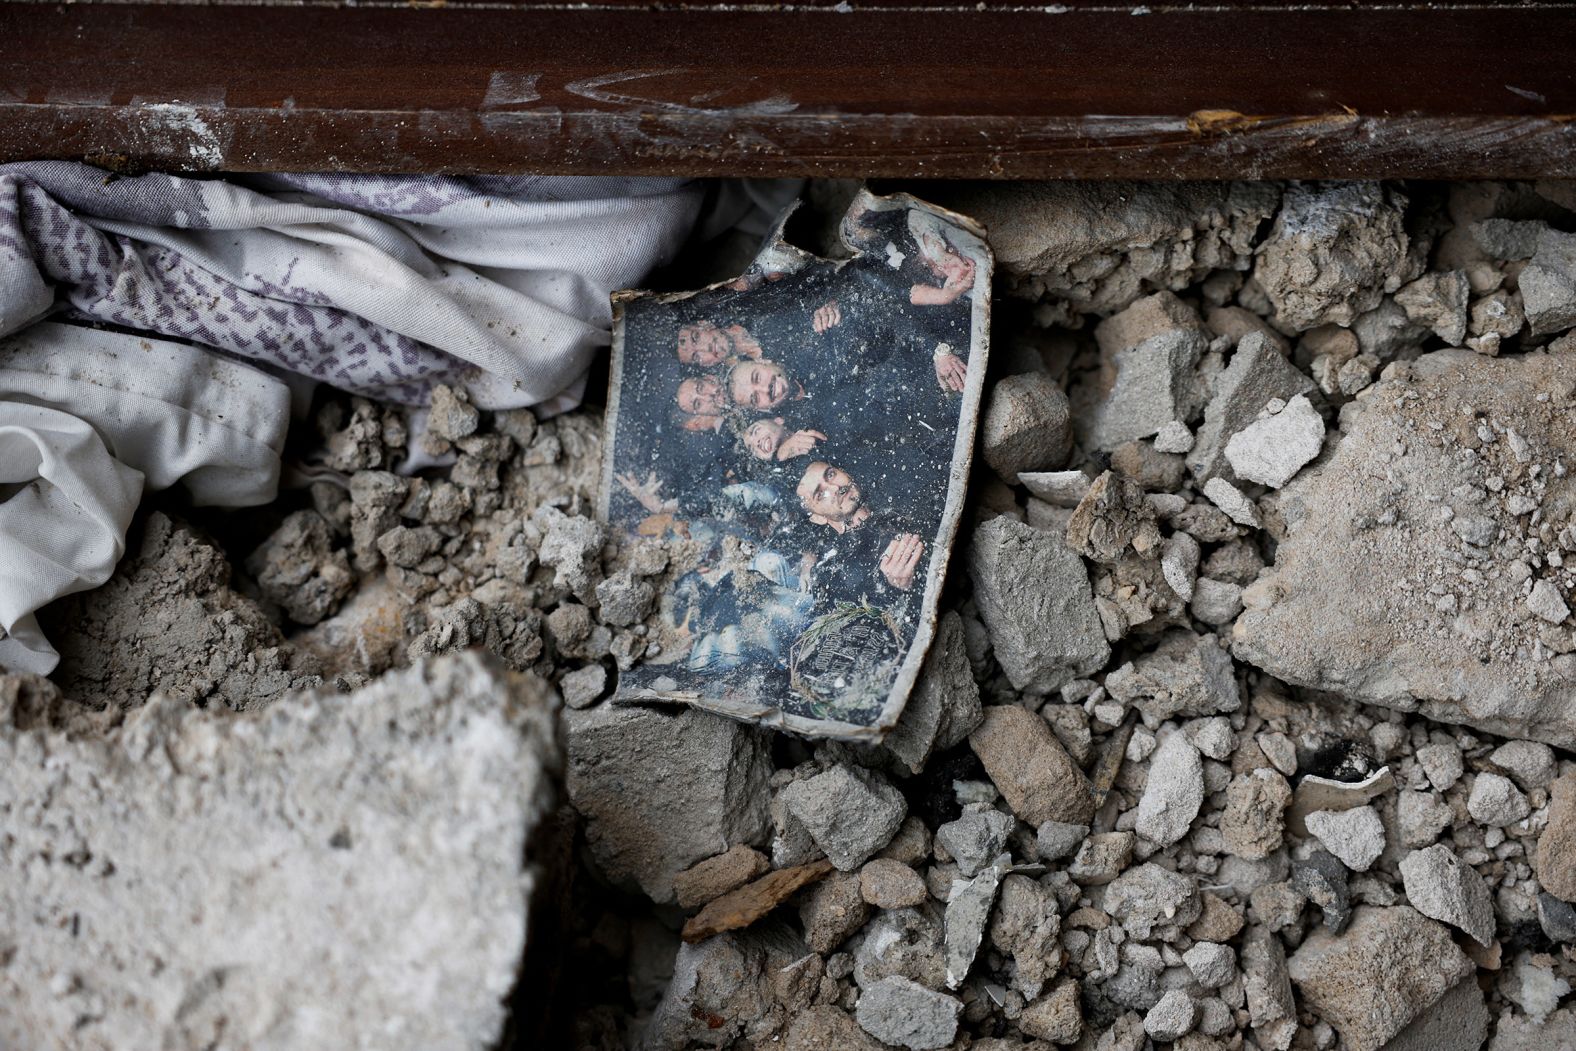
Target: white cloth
(87,420)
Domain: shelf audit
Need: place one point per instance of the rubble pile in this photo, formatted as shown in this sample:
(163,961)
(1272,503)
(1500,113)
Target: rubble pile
(1250,720)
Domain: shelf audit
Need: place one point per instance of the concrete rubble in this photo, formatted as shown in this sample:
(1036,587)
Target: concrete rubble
(1246,724)
(345,871)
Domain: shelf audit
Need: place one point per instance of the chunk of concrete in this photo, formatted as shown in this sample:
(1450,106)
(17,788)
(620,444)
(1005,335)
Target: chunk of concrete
(1186,674)
(1174,792)
(341,870)
(1390,966)
(1274,447)
(945,705)
(1257,374)
(1030,767)
(1334,251)
(1026,425)
(1348,607)
(1443,887)
(1034,596)
(661,792)
(1548,284)
(906,1014)
(851,813)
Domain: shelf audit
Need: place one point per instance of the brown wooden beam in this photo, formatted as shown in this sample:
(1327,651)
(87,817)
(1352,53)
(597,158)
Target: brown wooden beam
(1232,91)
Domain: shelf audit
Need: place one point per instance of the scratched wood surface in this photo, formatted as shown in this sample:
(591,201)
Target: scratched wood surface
(1271,89)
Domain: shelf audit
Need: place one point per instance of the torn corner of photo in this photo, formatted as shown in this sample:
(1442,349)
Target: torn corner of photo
(89,420)
(799,439)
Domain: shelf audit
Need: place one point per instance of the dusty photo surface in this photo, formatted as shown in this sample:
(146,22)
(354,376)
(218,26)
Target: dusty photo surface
(802,437)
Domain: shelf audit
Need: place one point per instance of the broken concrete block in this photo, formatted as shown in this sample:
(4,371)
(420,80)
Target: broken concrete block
(1145,387)
(1057,488)
(1457,1022)
(1389,967)
(1548,284)
(1094,247)
(1172,1017)
(1033,594)
(1257,375)
(1438,301)
(1496,801)
(976,837)
(1556,860)
(906,1014)
(1147,898)
(1173,793)
(660,792)
(1186,674)
(1347,607)
(1334,250)
(298,568)
(968,910)
(1356,836)
(1443,887)
(903,942)
(835,909)
(1273,448)
(889,884)
(945,705)
(1026,928)
(1031,768)
(1111,519)
(1272,1010)
(720,993)
(345,871)
(1057,1016)
(851,813)
(1233,502)
(1253,823)
(1027,425)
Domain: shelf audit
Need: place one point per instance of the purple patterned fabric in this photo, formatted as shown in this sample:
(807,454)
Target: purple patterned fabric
(380,285)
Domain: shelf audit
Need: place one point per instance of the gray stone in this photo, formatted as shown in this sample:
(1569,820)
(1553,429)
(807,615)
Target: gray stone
(906,1014)
(1443,887)
(1031,768)
(1258,374)
(1340,610)
(1026,425)
(1034,596)
(1548,284)
(968,911)
(1057,1016)
(1179,564)
(1148,897)
(1529,763)
(1321,878)
(1509,239)
(583,686)
(976,837)
(1441,764)
(1174,437)
(1274,447)
(1334,251)
(1173,1016)
(904,942)
(1390,966)
(720,994)
(1094,247)
(341,870)
(1186,674)
(1272,1011)
(1438,301)
(1149,386)
(1233,502)
(850,813)
(1211,964)
(1216,602)
(298,568)
(1058,488)
(1422,816)
(1253,823)
(1556,917)
(1556,858)
(1457,1022)
(889,884)
(1496,802)
(944,707)
(1173,793)
(660,792)
(1356,836)
(833,910)
(1056,840)
(1547,602)
(1026,928)
(1101,858)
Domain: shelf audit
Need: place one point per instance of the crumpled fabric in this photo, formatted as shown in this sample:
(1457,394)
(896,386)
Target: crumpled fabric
(89,420)
(378,285)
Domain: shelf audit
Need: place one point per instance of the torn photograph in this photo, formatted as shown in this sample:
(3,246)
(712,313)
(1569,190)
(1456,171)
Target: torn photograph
(801,436)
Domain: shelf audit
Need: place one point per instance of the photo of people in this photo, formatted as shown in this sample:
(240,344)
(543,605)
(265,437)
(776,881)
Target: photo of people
(800,436)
